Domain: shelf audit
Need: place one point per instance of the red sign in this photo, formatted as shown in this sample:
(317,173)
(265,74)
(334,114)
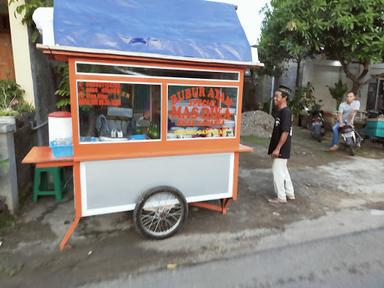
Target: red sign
(99,94)
(200,106)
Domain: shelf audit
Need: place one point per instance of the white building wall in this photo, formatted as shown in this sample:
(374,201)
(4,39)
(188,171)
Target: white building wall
(322,75)
(20,48)
(325,73)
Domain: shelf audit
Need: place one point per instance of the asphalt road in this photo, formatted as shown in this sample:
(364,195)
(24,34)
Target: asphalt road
(352,260)
(330,236)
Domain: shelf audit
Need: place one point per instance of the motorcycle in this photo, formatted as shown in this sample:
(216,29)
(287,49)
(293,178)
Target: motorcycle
(317,125)
(351,138)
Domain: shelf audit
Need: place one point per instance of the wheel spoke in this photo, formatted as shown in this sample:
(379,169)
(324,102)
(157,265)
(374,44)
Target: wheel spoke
(157,225)
(169,224)
(150,225)
(147,221)
(161,213)
(148,216)
(162,226)
(175,213)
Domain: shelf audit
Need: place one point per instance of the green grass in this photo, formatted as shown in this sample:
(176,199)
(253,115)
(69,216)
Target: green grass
(256,140)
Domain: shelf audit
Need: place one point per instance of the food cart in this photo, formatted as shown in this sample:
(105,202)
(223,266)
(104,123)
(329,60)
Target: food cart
(155,105)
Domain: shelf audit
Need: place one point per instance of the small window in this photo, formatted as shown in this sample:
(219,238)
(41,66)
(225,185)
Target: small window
(201,112)
(118,112)
(154,72)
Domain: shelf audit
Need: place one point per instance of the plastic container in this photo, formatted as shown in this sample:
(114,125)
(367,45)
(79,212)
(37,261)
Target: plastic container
(60,150)
(138,137)
(60,126)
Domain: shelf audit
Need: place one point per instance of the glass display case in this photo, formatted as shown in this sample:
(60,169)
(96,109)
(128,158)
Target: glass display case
(131,103)
(201,112)
(118,111)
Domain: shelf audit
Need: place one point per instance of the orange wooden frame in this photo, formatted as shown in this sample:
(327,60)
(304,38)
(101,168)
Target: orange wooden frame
(101,151)
(87,152)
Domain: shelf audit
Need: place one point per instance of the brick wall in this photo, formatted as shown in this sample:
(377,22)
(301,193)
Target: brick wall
(6,59)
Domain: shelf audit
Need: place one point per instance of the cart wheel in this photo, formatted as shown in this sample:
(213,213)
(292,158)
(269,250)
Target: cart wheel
(160,213)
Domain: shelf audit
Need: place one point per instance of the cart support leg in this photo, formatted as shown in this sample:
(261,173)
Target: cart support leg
(69,233)
(221,209)
(78,209)
(224,205)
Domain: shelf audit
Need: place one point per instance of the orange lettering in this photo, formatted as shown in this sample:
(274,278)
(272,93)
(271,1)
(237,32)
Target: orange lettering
(176,112)
(186,113)
(188,93)
(205,113)
(211,94)
(227,114)
(195,112)
(174,99)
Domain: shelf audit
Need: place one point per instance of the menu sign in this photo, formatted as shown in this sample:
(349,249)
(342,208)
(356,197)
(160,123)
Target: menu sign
(99,94)
(200,106)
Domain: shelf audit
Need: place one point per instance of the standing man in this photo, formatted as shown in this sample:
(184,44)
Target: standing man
(347,112)
(280,147)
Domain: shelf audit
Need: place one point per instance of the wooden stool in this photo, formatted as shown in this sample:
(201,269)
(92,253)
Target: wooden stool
(48,182)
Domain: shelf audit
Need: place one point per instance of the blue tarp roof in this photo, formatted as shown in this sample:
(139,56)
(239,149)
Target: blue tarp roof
(187,28)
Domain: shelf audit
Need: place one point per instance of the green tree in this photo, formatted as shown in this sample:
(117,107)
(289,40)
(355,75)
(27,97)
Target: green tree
(338,92)
(304,98)
(26,9)
(350,31)
(281,41)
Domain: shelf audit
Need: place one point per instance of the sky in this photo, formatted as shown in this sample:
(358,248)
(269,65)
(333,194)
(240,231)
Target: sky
(250,18)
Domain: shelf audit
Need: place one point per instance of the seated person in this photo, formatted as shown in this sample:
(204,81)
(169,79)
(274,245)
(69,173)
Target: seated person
(144,120)
(347,112)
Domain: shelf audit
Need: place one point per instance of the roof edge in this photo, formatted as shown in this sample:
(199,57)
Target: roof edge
(146,55)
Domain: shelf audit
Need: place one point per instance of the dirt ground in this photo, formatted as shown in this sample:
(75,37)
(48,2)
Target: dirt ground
(104,247)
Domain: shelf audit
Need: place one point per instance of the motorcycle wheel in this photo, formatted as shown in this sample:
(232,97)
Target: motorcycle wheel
(352,150)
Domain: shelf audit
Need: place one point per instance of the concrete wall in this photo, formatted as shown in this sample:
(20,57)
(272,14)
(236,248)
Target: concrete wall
(289,76)
(33,72)
(24,140)
(323,73)
(44,89)
(262,92)
(8,175)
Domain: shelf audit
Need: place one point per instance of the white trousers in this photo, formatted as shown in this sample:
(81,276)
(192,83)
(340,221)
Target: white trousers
(281,179)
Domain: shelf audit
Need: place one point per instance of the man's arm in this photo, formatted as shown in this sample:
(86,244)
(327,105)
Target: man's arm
(282,140)
(356,107)
(340,116)
(352,116)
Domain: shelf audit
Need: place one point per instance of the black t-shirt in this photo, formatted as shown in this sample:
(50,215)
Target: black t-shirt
(283,123)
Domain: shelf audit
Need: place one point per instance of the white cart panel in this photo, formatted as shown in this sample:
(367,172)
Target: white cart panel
(116,185)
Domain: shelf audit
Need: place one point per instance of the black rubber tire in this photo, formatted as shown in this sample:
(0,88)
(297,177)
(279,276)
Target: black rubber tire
(139,226)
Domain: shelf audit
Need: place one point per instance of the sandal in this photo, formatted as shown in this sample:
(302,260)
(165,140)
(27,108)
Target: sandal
(277,200)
